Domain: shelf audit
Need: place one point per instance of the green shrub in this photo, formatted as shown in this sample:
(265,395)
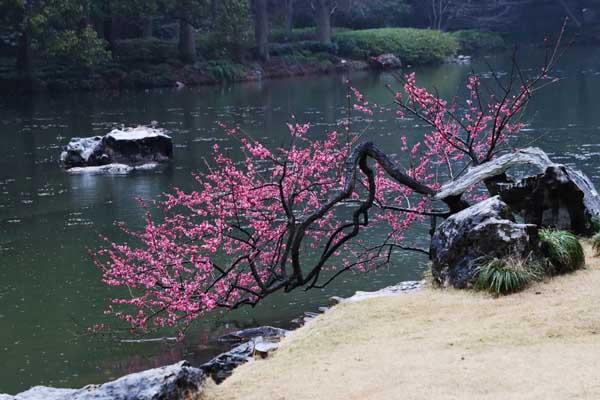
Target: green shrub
(146,51)
(225,71)
(562,249)
(304,47)
(231,35)
(503,276)
(298,35)
(413,46)
(472,41)
(82,50)
(596,224)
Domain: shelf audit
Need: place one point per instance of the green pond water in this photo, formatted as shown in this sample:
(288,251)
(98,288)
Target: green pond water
(49,290)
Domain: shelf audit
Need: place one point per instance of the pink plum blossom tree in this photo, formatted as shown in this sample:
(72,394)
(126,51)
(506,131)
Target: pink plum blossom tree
(297,216)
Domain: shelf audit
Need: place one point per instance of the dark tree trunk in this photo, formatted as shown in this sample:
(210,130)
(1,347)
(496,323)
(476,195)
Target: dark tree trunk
(24,51)
(214,10)
(323,21)
(147,27)
(85,20)
(187,42)
(289,18)
(25,56)
(261,29)
(107,29)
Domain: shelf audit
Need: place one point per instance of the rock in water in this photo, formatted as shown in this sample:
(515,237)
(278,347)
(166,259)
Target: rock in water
(84,152)
(174,382)
(485,230)
(222,366)
(131,146)
(265,337)
(385,61)
(560,198)
(268,332)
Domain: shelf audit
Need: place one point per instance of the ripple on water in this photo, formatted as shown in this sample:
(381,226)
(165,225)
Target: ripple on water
(49,190)
(209,139)
(76,219)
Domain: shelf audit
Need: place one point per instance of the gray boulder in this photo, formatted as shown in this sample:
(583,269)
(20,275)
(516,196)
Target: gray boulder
(560,198)
(261,340)
(485,230)
(173,382)
(131,146)
(385,61)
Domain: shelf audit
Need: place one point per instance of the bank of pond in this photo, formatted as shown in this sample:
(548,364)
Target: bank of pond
(153,63)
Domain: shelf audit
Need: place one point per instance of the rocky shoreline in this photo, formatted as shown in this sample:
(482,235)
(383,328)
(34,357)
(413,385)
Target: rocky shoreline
(184,381)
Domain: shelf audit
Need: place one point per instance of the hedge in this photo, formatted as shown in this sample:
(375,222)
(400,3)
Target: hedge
(413,46)
(472,41)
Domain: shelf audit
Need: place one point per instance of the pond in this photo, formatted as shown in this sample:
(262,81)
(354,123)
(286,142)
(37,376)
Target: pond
(49,290)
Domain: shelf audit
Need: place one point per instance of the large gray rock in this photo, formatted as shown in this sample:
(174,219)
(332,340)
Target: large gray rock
(173,382)
(131,146)
(465,239)
(560,198)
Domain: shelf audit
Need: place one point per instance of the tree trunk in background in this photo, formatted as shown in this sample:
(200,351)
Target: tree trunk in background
(187,42)
(289,18)
(85,20)
(261,28)
(25,56)
(214,9)
(147,27)
(323,20)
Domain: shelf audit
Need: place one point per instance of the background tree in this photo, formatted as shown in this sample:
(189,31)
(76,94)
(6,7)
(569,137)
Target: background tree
(56,29)
(323,10)
(359,14)
(231,31)
(289,16)
(191,15)
(261,28)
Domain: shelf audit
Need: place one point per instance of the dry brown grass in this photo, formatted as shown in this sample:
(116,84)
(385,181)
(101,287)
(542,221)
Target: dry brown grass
(543,343)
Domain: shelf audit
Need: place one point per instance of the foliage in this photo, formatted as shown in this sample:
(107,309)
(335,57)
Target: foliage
(473,41)
(225,71)
(158,75)
(563,250)
(413,46)
(299,34)
(301,48)
(145,51)
(596,224)
(357,14)
(504,276)
(82,49)
(596,244)
(232,30)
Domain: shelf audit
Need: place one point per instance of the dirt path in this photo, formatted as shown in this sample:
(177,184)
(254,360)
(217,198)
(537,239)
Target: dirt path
(543,343)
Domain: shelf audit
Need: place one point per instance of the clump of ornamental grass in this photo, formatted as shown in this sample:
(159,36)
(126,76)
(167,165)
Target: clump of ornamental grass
(508,275)
(596,244)
(562,250)
(429,279)
(596,224)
